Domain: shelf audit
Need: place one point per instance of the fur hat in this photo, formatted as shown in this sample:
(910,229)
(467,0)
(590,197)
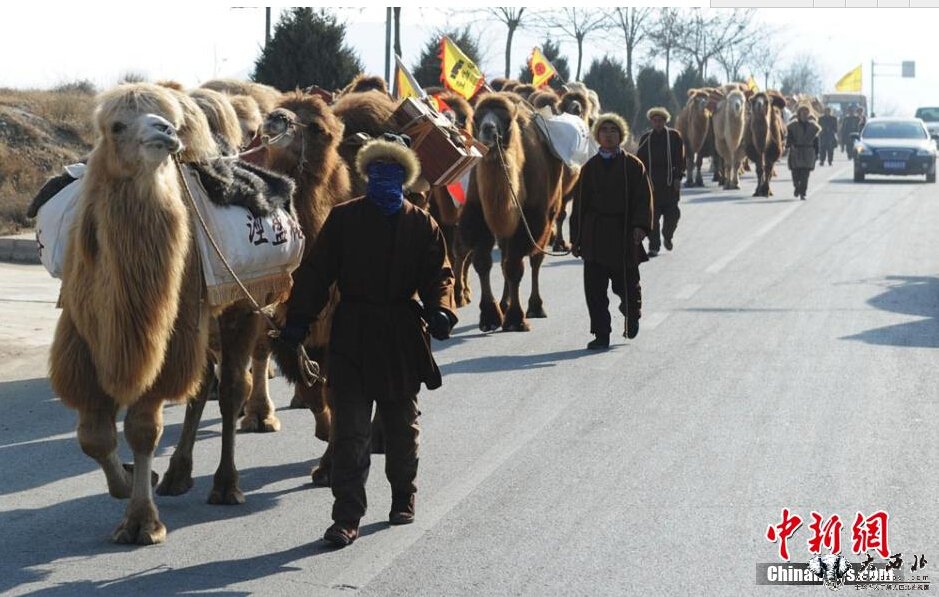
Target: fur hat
(390,148)
(658,111)
(617,121)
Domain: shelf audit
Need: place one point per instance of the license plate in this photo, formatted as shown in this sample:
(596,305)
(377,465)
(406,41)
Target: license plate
(894,165)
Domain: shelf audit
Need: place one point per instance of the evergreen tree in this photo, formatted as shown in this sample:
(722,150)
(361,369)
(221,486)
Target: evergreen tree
(617,93)
(427,69)
(307,48)
(688,79)
(652,89)
(552,51)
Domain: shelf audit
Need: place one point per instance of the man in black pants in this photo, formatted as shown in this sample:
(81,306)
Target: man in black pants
(382,253)
(662,152)
(611,215)
(828,138)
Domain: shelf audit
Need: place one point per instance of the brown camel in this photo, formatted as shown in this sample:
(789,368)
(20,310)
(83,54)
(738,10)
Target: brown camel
(545,98)
(729,122)
(362,83)
(132,256)
(532,175)
(693,123)
(765,136)
(266,96)
(368,113)
(222,117)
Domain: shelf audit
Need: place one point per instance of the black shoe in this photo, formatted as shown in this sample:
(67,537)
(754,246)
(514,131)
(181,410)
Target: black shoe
(342,534)
(653,253)
(802,197)
(601,342)
(632,327)
(402,510)
(668,244)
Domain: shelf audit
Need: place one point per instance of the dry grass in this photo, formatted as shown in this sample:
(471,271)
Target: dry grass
(40,132)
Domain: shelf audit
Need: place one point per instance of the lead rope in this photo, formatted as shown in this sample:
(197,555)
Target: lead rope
(521,213)
(309,369)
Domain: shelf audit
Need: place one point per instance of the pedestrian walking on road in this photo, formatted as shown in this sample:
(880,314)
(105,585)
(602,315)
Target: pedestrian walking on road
(850,124)
(663,154)
(611,216)
(802,140)
(828,138)
(382,253)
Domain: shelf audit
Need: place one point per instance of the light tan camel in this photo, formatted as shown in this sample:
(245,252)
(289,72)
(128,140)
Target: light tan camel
(134,330)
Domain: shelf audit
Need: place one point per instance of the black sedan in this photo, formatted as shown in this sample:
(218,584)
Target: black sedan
(894,146)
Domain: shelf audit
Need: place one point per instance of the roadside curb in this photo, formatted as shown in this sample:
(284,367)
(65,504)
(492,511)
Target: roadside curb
(19,249)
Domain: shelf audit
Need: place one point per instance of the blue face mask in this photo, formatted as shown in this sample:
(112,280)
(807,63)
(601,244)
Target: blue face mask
(385,182)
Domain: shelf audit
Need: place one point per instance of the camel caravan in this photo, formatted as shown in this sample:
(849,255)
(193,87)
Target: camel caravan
(165,224)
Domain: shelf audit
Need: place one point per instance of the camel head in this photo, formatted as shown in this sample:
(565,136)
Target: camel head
(495,120)
(302,130)
(760,106)
(576,103)
(249,116)
(222,118)
(137,128)
(697,100)
(735,102)
(461,112)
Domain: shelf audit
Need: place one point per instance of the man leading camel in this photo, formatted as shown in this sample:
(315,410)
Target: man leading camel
(612,214)
(662,152)
(382,253)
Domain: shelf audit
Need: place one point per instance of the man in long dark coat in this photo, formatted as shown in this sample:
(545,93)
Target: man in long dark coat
(850,124)
(662,152)
(611,215)
(828,138)
(802,141)
(383,254)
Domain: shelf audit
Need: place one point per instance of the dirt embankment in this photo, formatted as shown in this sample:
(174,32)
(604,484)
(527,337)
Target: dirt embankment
(40,132)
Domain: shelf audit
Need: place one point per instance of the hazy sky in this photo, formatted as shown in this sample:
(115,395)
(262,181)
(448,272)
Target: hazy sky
(43,46)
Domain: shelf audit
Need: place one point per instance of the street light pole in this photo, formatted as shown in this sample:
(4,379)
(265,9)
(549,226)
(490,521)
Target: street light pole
(388,45)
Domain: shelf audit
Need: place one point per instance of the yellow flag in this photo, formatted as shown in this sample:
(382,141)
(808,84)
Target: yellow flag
(541,68)
(751,85)
(457,71)
(405,85)
(851,82)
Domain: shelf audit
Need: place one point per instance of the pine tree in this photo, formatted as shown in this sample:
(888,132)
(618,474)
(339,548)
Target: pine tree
(307,48)
(652,89)
(617,93)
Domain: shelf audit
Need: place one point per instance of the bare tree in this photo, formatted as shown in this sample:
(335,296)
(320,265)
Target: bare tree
(511,17)
(665,35)
(802,76)
(734,56)
(577,24)
(634,23)
(764,59)
(703,35)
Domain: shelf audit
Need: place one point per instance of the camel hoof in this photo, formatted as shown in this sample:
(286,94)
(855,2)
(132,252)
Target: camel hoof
(320,476)
(516,326)
(561,246)
(490,317)
(226,497)
(142,528)
(255,423)
(177,479)
(536,311)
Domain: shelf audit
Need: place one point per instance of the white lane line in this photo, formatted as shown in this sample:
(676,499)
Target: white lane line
(687,291)
(747,242)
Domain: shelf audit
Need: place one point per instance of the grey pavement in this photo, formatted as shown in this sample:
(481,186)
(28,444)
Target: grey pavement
(786,359)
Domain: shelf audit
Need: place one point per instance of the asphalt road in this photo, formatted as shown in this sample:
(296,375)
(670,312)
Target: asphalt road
(786,360)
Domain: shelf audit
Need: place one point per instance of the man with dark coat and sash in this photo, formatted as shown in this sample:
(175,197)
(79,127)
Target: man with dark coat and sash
(612,213)
(829,137)
(662,152)
(389,262)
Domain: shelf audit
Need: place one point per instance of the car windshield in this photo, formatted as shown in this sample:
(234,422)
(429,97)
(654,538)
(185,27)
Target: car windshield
(928,114)
(894,130)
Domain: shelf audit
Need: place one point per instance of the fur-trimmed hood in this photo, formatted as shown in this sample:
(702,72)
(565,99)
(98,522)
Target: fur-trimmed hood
(380,149)
(617,120)
(659,111)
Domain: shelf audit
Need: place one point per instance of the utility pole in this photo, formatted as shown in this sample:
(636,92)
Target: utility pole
(388,45)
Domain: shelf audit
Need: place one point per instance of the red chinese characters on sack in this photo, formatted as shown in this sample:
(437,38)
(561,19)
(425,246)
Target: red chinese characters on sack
(828,535)
(870,533)
(782,531)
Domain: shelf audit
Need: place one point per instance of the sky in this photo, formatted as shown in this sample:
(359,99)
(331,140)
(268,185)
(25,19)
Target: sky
(45,44)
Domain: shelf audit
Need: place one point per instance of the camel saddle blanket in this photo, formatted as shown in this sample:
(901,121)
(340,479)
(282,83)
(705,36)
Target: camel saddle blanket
(248,214)
(568,138)
(262,249)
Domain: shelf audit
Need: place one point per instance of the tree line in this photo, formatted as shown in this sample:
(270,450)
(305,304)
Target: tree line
(656,54)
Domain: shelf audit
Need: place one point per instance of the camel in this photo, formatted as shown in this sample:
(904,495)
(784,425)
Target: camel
(693,124)
(765,136)
(368,113)
(266,96)
(222,117)
(729,121)
(132,256)
(575,101)
(362,83)
(249,116)
(533,175)
(545,98)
